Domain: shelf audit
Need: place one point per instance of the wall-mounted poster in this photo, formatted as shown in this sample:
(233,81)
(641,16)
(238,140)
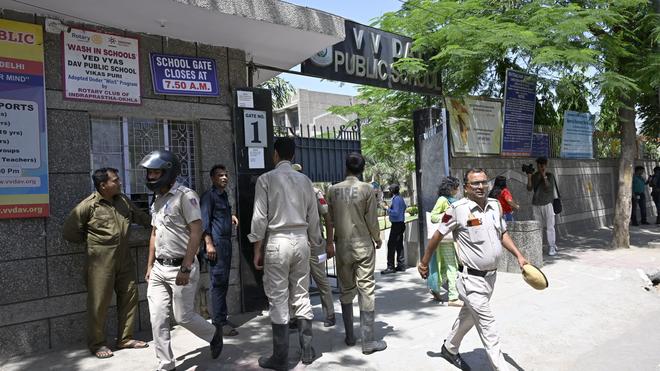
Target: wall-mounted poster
(23,137)
(180,75)
(101,67)
(540,145)
(475,125)
(577,135)
(519,108)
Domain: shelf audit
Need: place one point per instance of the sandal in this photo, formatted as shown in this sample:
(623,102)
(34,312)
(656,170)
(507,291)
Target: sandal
(133,344)
(103,352)
(228,330)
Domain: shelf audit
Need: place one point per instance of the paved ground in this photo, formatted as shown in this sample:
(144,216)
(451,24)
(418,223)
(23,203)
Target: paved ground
(594,316)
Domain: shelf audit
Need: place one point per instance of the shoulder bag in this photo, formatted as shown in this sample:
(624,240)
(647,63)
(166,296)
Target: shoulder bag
(556,203)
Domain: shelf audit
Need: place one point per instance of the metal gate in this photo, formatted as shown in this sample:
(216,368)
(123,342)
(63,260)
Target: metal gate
(322,151)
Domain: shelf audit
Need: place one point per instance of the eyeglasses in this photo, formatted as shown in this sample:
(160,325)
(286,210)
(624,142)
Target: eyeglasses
(483,183)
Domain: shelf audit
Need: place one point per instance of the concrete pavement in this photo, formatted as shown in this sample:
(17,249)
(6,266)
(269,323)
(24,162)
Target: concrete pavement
(594,316)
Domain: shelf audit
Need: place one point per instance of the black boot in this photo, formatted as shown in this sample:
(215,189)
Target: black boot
(305,336)
(216,342)
(347,315)
(280,358)
(369,345)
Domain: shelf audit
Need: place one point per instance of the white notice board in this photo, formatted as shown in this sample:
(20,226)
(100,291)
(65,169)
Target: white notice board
(254,126)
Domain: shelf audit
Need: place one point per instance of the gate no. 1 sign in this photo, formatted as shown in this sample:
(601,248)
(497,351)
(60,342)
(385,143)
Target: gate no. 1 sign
(254,124)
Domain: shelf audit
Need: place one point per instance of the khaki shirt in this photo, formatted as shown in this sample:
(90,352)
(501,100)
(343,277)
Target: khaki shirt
(172,212)
(284,202)
(478,232)
(104,226)
(352,207)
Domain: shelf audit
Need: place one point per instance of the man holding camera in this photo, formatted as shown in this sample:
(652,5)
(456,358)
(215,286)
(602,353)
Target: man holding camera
(542,183)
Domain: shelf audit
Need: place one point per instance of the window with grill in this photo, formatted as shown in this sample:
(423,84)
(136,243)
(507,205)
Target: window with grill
(121,142)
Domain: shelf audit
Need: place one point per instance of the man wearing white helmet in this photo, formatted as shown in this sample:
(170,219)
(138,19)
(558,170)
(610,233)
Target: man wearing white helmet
(172,269)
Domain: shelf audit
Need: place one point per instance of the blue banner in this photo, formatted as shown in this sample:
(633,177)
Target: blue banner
(179,75)
(577,136)
(519,104)
(540,145)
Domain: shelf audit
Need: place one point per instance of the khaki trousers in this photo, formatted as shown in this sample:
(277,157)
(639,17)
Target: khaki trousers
(101,281)
(286,277)
(355,270)
(317,270)
(475,292)
(161,292)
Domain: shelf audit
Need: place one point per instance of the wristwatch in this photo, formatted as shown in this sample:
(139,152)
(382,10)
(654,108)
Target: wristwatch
(185,270)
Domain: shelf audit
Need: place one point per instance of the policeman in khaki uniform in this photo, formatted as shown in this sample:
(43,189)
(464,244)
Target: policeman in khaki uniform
(172,268)
(285,208)
(353,222)
(103,221)
(479,229)
(316,268)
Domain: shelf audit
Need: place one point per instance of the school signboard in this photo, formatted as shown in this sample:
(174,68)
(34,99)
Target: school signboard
(23,137)
(181,75)
(367,56)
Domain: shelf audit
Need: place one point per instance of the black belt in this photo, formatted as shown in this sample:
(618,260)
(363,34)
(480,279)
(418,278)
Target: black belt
(474,272)
(170,262)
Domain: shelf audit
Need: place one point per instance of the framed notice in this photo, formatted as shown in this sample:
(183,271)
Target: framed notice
(540,145)
(475,125)
(23,137)
(577,135)
(519,106)
(101,67)
(180,75)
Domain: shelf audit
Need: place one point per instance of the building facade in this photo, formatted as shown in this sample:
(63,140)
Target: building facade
(43,295)
(308,108)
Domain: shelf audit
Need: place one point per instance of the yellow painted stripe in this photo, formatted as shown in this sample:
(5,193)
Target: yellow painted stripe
(23,199)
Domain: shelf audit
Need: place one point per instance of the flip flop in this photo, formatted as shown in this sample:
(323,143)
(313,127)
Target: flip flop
(103,352)
(133,344)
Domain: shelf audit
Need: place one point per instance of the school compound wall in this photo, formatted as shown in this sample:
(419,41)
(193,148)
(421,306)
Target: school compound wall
(43,294)
(587,187)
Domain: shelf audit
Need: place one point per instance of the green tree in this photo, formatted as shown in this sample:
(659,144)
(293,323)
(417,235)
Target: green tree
(386,129)
(611,43)
(281,90)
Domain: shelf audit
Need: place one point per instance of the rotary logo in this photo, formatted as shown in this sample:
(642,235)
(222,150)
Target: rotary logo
(97,39)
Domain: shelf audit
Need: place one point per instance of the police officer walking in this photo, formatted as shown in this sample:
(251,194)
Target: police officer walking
(285,208)
(353,222)
(480,232)
(317,267)
(172,268)
(103,220)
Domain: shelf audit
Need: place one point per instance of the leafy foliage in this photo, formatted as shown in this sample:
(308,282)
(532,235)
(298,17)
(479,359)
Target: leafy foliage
(387,131)
(584,48)
(281,90)
(593,49)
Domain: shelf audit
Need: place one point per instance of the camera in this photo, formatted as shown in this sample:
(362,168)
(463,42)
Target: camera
(528,169)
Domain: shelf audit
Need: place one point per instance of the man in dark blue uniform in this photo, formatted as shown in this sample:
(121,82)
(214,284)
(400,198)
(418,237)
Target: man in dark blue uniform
(217,221)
